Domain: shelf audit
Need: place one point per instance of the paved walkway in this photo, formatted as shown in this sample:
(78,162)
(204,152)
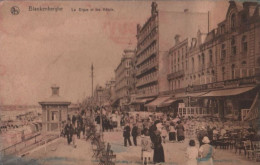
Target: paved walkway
(60,153)
(174,152)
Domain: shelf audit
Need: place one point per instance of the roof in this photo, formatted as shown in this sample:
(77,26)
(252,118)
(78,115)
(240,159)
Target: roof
(55,100)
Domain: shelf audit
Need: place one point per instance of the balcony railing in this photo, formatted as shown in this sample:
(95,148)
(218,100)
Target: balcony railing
(144,57)
(175,75)
(222,84)
(146,68)
(146,44)
(141,83)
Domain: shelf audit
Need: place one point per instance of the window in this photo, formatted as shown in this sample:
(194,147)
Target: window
(203,58)
(53,116)
(244,18)
(233,21)
(223,52)
(223,73)
(199,59)
(233,47)
(222,29)
(210,56)
(192,63)
(244,44)
(233,71)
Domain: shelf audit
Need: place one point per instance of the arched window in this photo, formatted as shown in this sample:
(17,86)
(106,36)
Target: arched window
(233,71)
(244,44)
(233,21)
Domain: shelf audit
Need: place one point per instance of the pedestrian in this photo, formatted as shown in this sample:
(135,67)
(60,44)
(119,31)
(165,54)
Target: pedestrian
(135,134)
(68,129)
(192,153)
(158,156)
(146,147)
(180,131)
(172,132)
(206,152)
(126,135)
(164,134)
(74,136)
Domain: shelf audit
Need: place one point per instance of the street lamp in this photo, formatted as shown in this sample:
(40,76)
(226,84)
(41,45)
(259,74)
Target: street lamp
(101,127)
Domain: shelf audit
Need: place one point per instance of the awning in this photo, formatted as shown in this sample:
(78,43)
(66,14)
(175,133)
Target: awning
(227,92)
(142,101)
(157,101)
(182,95)
(167,102)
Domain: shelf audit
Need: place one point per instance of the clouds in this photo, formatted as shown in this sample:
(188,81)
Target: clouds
(38,49)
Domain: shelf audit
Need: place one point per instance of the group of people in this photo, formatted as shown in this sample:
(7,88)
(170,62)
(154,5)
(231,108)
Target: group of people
(202,156)
(73,129)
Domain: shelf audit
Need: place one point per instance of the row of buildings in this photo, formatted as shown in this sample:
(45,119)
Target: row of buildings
(177,67)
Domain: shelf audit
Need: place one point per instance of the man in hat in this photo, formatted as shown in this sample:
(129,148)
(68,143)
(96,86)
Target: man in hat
(126,135)
(135,133)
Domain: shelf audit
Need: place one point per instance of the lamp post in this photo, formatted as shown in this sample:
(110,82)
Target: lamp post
(101,127)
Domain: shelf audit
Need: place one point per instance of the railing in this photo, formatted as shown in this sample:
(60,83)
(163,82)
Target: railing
(192,111)
(223,84)
(175,75)
(142,58)
(140,83)
(26,145)
(146,68)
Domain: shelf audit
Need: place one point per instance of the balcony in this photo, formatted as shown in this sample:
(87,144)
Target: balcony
(175,75)
(142,48)
(146,68)
(141,83)
(140,60)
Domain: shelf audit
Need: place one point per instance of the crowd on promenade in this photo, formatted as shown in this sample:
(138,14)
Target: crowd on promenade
(157,128)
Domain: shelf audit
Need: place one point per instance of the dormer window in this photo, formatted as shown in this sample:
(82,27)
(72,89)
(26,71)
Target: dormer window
(233,21)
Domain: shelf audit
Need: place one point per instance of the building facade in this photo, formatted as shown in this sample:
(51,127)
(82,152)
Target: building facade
(221,73)
(154,39)
(124,78)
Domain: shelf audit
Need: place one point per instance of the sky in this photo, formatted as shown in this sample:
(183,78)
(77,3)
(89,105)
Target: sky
(39,49)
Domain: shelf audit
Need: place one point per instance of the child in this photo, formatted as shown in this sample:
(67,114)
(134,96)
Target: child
(192,153)
(164,134)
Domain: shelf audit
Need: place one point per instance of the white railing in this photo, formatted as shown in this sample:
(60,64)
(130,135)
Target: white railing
(192,111)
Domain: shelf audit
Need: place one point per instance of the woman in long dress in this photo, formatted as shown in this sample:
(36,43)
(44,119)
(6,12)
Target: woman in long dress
(206,152)
(158,156)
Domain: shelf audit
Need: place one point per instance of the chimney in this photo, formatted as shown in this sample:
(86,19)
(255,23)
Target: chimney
(199,37)
(177,39)
(55,90)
